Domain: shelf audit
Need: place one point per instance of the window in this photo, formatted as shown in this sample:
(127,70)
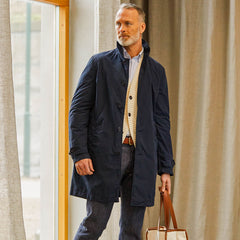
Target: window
(40,74)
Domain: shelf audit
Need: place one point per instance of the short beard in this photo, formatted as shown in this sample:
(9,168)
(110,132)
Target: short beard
(130,41)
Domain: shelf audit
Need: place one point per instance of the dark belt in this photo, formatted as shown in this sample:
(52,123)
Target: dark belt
(128,141)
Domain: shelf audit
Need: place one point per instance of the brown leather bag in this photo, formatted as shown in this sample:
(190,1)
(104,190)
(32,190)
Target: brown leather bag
(164,232)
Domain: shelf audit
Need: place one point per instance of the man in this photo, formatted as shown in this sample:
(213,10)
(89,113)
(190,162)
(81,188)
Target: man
(119,131)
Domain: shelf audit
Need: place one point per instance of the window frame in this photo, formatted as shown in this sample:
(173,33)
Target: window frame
(62,115)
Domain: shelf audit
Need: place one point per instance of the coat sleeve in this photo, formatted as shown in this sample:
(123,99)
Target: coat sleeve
(161,117)
(82,103)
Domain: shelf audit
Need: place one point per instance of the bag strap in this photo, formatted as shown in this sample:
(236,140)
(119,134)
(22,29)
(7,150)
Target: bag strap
(166,202)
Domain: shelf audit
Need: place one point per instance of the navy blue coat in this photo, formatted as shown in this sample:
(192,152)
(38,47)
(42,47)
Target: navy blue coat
(96,123)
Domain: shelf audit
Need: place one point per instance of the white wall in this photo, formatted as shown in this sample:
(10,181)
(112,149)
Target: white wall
(91,30)
(81,49)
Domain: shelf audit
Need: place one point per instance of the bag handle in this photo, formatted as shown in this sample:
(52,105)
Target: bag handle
(166,202)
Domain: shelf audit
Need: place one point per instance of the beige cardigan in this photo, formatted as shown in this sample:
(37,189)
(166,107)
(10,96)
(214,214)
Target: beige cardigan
(130,112)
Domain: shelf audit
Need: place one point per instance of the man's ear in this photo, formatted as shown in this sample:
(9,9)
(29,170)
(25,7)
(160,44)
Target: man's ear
(142,27)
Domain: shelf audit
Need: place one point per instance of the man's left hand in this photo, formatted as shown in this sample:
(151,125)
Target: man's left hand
(166,182)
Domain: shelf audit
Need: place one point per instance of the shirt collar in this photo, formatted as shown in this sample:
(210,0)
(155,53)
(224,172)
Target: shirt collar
(126,55)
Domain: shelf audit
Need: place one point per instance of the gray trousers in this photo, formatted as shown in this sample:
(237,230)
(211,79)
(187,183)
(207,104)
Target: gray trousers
(98,214)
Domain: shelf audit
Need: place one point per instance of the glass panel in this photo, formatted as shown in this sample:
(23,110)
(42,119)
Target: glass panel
(33,56)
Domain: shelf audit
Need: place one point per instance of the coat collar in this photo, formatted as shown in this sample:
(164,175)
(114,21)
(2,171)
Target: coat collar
(144,44)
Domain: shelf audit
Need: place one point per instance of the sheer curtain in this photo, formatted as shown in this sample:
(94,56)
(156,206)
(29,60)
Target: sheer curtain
(198,42)
(11,220)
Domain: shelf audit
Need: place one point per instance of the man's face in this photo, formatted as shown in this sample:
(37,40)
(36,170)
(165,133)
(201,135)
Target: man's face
(129,27)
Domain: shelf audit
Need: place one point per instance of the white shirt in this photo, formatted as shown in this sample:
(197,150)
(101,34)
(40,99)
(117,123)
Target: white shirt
(133,63)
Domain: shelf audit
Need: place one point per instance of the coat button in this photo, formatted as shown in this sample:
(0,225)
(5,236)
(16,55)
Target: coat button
(119,105)
(123,83)
(119,129)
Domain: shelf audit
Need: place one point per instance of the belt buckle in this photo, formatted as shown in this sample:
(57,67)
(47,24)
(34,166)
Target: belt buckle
(130,141)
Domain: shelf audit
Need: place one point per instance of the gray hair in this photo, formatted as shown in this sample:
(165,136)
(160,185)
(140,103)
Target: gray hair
(133,6)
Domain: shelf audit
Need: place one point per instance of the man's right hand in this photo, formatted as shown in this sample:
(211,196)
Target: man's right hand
(84,167)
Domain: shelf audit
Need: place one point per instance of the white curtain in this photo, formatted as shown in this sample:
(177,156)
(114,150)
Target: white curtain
(198,42)
(11,219)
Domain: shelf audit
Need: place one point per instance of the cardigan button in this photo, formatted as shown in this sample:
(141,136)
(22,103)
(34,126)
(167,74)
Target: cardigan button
(130,97)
